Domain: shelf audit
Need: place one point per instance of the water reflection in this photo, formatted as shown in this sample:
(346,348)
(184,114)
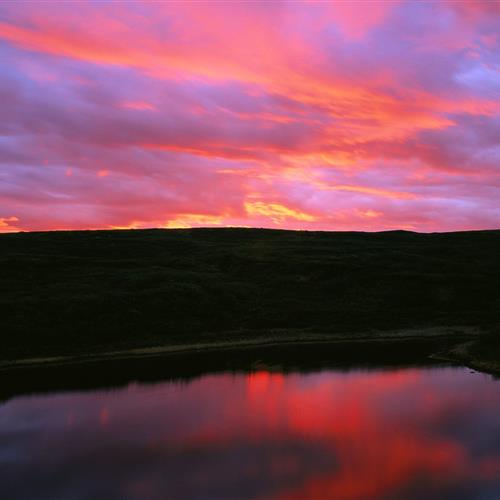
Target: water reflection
(405,433)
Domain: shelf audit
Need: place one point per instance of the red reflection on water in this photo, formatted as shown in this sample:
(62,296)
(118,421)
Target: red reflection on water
(354,435)
(349,417)
(104,417)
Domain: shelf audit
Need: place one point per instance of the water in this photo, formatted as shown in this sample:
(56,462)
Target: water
(406,433)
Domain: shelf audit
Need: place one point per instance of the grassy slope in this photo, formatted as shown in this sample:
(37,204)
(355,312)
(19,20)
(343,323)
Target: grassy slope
(66,292)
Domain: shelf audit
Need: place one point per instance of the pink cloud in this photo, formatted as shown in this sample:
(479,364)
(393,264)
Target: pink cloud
(289,115)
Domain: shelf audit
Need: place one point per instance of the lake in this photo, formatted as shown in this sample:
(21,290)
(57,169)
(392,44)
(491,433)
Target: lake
(359,433)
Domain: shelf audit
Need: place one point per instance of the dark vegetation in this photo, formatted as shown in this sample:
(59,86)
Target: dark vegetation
(84,291)
(488,349)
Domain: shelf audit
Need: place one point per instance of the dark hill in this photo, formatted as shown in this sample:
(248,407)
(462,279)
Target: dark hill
(89,290)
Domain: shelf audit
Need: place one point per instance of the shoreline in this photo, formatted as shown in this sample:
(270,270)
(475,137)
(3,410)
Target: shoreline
(456,334)
(461,354)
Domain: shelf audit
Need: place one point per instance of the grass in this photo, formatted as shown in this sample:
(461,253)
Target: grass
(89,291)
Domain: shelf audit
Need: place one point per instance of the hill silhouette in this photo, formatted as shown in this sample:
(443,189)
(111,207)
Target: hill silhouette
(84,291)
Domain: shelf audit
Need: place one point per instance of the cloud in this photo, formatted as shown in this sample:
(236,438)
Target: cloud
(276,212)
(7,224)
(290,115)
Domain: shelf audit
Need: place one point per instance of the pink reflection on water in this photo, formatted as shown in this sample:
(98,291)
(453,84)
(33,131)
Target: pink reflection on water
(412,433)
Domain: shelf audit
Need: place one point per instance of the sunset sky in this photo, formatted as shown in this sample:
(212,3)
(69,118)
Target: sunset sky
(298,115)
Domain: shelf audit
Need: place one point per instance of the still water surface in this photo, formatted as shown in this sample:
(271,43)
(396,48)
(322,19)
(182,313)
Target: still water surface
(416,433)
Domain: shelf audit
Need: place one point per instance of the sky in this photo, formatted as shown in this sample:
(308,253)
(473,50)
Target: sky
(298,115)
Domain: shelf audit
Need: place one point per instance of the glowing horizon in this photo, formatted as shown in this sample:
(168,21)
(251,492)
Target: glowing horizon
(293,115)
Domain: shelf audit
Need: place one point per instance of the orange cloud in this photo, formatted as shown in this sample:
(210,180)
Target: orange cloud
(6,226)
(371,214)
(193,220)
(276,212)
(385,193)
